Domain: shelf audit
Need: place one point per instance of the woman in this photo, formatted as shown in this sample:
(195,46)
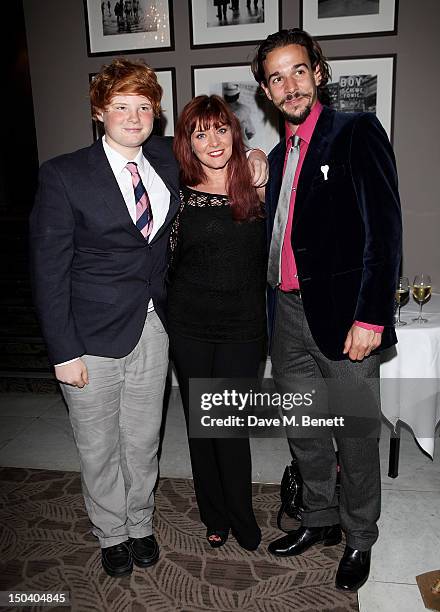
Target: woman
(217,314)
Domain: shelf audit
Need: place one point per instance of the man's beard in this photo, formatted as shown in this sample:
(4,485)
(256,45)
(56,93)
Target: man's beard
(296,119)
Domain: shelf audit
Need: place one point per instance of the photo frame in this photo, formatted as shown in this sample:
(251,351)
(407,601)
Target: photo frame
(128,26)
(235,83)
(364,84)
(247,21)
(164,125)
(341,19)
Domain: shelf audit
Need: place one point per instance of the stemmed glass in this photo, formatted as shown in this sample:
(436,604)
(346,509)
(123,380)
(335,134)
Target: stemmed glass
(421,291)
(402,296)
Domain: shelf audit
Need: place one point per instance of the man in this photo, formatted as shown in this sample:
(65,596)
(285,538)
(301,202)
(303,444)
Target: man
(99,235)
(334,217)
(221,9)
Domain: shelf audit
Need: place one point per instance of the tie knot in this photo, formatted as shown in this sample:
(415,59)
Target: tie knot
(295,141)
(132,168)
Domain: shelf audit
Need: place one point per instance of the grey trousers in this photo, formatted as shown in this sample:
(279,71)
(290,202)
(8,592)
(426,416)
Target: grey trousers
(116,421)
(294,355)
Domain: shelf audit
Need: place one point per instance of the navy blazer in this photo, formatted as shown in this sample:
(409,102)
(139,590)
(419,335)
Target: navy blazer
(92,271)
(347,230)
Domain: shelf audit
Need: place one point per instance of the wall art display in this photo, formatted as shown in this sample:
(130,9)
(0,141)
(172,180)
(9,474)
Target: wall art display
(342,18)
(232,22)
(364,84)
(128,26)
(163,125)
(235,83)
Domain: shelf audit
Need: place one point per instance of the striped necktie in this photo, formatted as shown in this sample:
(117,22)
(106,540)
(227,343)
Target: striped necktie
(144,214)
(281,215)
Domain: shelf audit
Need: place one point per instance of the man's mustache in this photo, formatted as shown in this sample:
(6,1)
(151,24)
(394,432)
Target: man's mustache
(296,95)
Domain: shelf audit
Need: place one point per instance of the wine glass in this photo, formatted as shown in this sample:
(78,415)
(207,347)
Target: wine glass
(402,296)
(421,291)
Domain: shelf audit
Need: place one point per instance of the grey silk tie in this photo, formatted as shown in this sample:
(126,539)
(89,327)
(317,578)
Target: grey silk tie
(280,221)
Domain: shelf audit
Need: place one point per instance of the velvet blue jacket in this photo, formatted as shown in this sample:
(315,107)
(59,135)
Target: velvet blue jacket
(347,230)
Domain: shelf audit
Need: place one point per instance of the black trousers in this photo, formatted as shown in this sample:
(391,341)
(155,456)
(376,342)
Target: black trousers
(295,355)
(221,466)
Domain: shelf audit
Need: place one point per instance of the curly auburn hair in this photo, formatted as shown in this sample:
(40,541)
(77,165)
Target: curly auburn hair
(124,76)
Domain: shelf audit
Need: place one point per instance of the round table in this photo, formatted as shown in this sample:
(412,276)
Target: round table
(410,374)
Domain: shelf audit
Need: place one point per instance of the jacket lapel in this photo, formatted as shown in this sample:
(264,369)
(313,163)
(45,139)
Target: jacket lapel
(313,160)
(276,163)
(107,188)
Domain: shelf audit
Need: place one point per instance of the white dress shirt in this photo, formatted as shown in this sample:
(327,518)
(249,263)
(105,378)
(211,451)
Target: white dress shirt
(157,192)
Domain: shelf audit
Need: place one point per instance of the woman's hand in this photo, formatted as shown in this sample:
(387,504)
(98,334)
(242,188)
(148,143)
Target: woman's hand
(258,166)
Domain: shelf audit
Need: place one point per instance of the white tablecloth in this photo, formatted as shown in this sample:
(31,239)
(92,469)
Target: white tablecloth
(410,374)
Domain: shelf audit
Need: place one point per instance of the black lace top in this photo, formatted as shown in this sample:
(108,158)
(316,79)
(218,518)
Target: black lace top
(217,278)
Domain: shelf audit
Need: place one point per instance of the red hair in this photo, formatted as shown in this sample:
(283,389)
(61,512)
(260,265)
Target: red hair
(124,76)
(202,113)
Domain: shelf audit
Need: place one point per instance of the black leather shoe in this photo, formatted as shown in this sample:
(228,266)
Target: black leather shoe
(117,560)
(296,542)
(145,551)
(353,570)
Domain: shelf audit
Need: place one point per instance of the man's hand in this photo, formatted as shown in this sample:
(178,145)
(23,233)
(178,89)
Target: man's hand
(360,342)
(74,373)
(259,167)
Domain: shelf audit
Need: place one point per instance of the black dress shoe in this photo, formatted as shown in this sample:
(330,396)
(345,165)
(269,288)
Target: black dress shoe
(353,570)
(145,551)
(117,560)
(296,542)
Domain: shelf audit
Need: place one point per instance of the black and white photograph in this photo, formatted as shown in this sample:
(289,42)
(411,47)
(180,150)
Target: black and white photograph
(341,18)
(364,85)
(232,22)
(127,25)
(234,12)
(163,125)
(258,119)
(347,8)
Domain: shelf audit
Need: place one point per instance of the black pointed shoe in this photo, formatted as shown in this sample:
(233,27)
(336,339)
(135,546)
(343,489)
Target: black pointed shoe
(353,570)
(297,542)
(117,560)
(145,550)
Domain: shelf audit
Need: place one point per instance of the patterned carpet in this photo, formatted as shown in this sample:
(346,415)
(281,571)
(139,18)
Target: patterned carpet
(46,545)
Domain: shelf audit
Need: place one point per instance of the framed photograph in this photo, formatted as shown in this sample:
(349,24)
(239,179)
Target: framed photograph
(217,23)
(163,125)
(364,84)
(235,83)
(128,26)
(342,18)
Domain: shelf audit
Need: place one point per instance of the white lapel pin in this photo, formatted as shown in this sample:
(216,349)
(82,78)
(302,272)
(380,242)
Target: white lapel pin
(324,170)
